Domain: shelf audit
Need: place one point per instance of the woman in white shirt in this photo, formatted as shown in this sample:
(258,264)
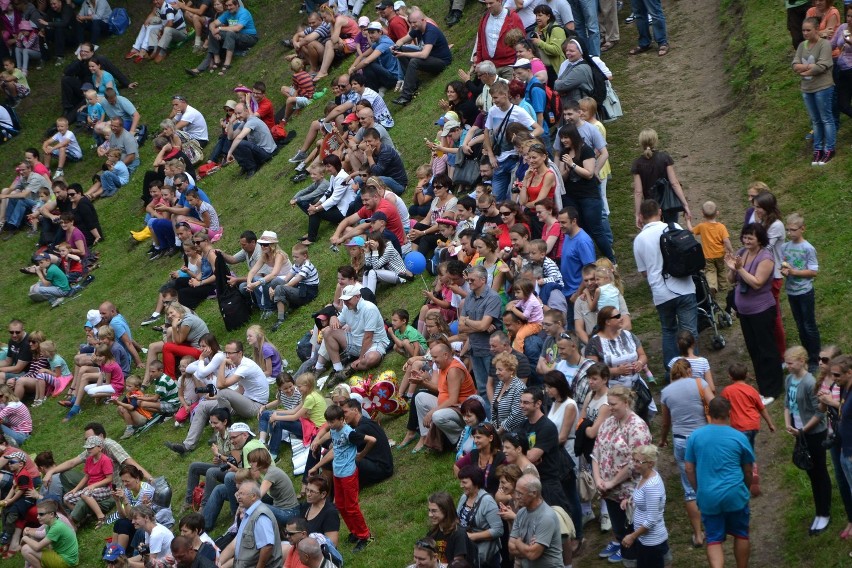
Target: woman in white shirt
(333,206)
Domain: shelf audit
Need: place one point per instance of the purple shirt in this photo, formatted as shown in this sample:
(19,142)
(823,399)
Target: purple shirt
(754,301)
(268,352)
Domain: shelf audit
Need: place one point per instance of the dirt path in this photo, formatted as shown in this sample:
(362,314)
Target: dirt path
(686,98)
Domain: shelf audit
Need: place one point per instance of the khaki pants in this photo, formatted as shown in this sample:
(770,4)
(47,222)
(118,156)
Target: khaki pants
(715,274)
(608,20)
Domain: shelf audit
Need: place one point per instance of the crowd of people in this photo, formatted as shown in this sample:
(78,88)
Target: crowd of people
(522,360)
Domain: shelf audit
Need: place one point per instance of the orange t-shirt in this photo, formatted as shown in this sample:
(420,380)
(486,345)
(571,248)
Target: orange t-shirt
(467,388)
(146,413)
(745,406)
(712,235)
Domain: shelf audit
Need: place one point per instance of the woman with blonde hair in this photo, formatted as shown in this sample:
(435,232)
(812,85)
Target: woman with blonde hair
(654,165)
(264,353)
(613,468)
(268,271)
(649,537)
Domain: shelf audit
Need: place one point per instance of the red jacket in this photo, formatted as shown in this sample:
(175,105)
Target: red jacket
(503,54)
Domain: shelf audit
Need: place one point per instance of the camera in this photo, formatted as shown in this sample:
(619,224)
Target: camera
(231,461)
(207,389)
(143,549)
(829,441)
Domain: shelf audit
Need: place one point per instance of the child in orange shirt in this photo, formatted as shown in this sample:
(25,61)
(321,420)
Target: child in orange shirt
(716,243)
(746,406)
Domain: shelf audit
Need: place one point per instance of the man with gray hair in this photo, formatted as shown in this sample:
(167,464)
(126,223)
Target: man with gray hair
(499,342)
(479,317)
(536,539)
(486,72)
(310,554)
(258,542)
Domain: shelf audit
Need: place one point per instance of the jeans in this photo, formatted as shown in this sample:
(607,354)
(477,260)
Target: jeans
(96,28)
(17,209)
(593,222)
(586,26)
(213,476)
(283,516)
(41,293)
(677,314)
(819,105)
(679,446)
(501,178)
(165,233)
(17,437)
(620,527)
(110,183)
(393,185)
(294,427)
(250,156)
(412,66)
(261,295)
(804,312)
(641,10)
(225,492)
(220,150)
(481,365)
(842,482)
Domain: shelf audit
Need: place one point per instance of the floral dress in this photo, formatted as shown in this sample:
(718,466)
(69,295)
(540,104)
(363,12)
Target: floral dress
(614,449)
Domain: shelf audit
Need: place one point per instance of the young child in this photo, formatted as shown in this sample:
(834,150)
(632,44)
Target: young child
(187,395)
(423,194)
(18,500)
(437,299)
(114,176)
(165,399)
(95,113)
(70,263)
(130,409)
(301,93)
(311,409)
(35,212)
(345,442)
(527,308)
(746,406)
(605,294)
(94,486)
(14,82)
(406,340)
(63,145)
(800,267)
(52,285)
(447,247)
(300,288)
(47,378)
(288,398)
(26,46)
(109,380)
(551,277)
(700,366)
(716,244)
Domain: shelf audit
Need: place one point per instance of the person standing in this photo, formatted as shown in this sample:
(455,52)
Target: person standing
(719,462)
(535,539)
(480,315)
(813,64)
(649,535)
(799,267)
(578,250)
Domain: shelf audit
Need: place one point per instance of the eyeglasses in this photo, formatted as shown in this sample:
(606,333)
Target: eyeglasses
(178,184)
(72,193)
(199,242)
(33,340)
(643,462)
(290,533)
(42,513)
(15,332)
(311,492)
(567,336)
(426,545)
(438,186)
(231,352)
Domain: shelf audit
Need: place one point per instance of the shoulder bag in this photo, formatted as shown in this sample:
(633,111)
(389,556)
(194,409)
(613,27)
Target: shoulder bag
(801,455)
(703,400)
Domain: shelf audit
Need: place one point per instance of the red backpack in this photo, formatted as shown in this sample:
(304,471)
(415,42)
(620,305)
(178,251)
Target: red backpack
(553,104)
(197,496)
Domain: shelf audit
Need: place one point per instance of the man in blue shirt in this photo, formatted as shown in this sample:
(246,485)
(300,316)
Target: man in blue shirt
(534,94)
(234,31)
(109,314)
(381,69)
(578,250)
(719,462)
(433,55)
(263,546)
(384,162)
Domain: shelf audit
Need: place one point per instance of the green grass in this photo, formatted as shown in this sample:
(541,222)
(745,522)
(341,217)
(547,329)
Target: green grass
(773,125)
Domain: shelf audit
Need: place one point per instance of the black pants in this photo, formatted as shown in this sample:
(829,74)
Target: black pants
(58,39)
(652,556)
(431,65)
(72,97)
(843,91)
(427,243)
(818,474)
(333,216)
(795,19)
(620,527)
(370,473)
(250,156)
(759,334)
(192,297)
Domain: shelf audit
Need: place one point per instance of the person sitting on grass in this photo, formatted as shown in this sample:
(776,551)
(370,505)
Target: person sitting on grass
(310,194)
(53,284)
(158,538)
(308,413)
(15,420)
(113,176)
(58,548)
(14,82)
(42,375)
(207,216)
(109,381)
(192,529)
(188,397)
(407,341)
(300,95)
(301,286)
(288,398)
(264,353)
(94,114)
(17,501)
(63,145)
(92,495)
(129,408)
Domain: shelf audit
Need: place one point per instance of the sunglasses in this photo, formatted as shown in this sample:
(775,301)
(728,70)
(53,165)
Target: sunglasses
(425,544)
(567,336)
(615,317)
(836,374)
(180,97)
(506,213)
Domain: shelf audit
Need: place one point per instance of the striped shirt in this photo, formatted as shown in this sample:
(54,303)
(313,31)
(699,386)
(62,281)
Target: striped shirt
(214,217)
(303,84)
(390,260)
(551,273)
(308,272)
(650,501)
(289,402)
(166,388)
(169,13)
(323,31)
(699,365)
(380,108)
(16,416)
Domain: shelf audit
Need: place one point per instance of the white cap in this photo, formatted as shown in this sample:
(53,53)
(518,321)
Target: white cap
(350,292)
(398,4)
(240,428)
(375,26)
(93,318)
(522,62)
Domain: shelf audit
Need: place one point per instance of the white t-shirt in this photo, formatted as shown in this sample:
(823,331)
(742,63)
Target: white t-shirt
(253,380)
(649,259)
(5,118)
(494,123)
(159,542)
(73,147)
(197,127)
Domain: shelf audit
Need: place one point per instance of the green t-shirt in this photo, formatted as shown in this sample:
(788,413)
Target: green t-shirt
(250,446)
(57,278)
(64,542)
(166,388)
(412,335)
(314,403)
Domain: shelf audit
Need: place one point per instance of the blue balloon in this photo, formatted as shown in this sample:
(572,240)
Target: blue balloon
(415,262)
(454,327)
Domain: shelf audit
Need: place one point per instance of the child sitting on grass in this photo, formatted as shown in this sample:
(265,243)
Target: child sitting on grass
(109,380)
(95,114)
(301,93)
(301,285)
(130,408)
(18,501)
(14,83)
(70,263)
(187,396)
(63,145)
(93,493)
(288,398)
(35,215)
(113,176)
(407,341)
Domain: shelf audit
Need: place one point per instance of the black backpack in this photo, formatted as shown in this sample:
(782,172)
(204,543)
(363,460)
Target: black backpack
(234,307)
(682,254)
(599,80)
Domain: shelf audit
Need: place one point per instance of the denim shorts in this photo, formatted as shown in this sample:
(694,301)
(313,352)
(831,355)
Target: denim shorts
(734,523)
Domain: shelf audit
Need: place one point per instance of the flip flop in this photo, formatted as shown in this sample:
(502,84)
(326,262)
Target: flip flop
(639,49)
(664,49)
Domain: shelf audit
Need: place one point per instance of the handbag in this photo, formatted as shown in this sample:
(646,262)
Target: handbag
(663,192)
(466,170)
(611,105)
(703,400)
(586,485)
(801,455)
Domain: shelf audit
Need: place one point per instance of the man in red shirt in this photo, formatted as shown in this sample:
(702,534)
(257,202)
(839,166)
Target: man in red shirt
(265,111)
(490,48)
(352,226)
(397,26)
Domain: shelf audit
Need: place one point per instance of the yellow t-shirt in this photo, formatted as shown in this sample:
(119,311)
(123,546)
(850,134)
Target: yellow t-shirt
(314,403)
(712,235)
(606,169)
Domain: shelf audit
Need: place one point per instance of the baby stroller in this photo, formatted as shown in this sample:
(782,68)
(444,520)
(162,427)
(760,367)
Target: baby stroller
(710,314)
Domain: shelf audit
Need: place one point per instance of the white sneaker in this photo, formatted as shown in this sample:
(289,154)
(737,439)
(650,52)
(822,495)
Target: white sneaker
(606,524)
(767,400)
(58,173)
(155,317)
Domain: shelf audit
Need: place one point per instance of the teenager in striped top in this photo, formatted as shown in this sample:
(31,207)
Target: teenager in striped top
(17,425)
(300,288)
(649,538)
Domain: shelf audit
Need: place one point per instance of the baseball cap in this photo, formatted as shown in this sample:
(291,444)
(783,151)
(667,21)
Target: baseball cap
(378,216)
(522,63)
(384,4)
(93,441)
(239,428)
(448,126)
(449,115)
(42,256)
(398,4)
(112,552)
(87,87)
(231,104)
(363,21)
(350,292)
(93,318)
(17,456)
(375,26)
(356,242)
(351,117)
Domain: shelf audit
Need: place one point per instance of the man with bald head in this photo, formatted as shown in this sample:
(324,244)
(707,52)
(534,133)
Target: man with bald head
(186,556)
(310,554)
(433,57)
(254,145)
(109,314)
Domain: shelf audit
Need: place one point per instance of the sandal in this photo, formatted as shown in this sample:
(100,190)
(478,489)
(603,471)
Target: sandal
(101,522)
(192,72)
(214,66)
(224,70)
(664,49)
(639,49)
(9,554)
(607,46)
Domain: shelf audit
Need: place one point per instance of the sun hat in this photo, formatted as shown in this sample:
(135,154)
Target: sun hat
(268,238)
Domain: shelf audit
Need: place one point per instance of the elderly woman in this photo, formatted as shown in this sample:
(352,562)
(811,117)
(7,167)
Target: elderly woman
(479,515)
(268,271)
(575,75)
(620,349)
(507,390)
(485,455)
(751,271)
(649,539)
(318,510)
(613,467)
(684,403)
(813,64)
(181,337)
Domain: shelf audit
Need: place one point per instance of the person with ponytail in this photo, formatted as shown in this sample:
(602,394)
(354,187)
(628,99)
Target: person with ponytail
(651,166)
